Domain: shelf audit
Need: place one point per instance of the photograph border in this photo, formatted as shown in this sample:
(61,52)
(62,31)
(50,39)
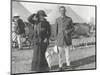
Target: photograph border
(52,3)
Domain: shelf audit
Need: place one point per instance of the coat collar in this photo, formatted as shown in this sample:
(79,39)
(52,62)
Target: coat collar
(63,19)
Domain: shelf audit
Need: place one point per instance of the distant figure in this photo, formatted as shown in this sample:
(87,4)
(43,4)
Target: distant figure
(20,29)
(42,33)
(64,28)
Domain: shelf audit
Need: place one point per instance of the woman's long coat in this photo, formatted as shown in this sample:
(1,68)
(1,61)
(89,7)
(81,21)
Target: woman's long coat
(41,31)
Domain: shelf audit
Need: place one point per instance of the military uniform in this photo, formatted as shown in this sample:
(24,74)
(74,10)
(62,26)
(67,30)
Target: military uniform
(64,28)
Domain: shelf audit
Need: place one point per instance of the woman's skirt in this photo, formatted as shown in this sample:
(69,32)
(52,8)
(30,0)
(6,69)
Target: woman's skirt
(39,63)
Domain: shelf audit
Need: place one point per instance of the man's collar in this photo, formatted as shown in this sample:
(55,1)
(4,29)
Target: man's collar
(63,16)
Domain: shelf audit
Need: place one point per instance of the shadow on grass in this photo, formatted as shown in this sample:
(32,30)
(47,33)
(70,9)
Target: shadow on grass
(80,62)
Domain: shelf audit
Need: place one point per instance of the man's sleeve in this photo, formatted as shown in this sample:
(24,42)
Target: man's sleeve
(70,27)
(55,29)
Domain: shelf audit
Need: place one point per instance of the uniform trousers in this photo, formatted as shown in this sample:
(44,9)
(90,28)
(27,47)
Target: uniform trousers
(66,50)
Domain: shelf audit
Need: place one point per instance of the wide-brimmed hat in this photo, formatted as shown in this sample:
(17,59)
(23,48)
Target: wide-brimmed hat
(16,15)
(41,12)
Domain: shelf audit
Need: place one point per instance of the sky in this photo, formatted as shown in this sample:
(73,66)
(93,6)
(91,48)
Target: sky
(85,12)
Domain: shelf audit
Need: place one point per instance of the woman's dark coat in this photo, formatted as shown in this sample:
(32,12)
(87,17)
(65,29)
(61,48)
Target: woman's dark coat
(41,32)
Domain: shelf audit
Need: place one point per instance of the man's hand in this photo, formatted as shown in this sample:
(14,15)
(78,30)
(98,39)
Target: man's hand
(68,31)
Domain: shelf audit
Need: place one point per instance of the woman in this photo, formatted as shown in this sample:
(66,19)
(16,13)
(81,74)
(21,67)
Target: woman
(33,20)
(42,33)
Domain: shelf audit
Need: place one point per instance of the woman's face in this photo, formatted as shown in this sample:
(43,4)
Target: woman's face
(35,18)
(41,17)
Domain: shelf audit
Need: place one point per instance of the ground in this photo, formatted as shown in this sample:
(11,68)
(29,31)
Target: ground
(83,58)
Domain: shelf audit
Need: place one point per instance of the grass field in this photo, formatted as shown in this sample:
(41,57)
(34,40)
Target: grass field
(80,59)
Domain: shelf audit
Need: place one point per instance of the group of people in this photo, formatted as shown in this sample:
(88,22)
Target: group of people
(41,35)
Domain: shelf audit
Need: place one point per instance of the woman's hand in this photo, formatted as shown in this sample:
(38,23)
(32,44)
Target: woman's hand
(45,40)
(66,32)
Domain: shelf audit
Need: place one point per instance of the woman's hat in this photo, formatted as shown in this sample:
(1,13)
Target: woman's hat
(41,12)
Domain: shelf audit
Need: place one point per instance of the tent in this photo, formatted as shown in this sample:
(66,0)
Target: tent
(24,9)
(75,17)
(19,9)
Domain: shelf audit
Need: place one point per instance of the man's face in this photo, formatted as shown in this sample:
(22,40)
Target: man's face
(62,11)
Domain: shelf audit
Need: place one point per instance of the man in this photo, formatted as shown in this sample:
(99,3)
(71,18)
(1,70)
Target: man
(64,27)
(20,29)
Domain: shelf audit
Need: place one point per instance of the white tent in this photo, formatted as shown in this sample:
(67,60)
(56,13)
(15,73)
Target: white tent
(78,14)
(19,9)
(52,11)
